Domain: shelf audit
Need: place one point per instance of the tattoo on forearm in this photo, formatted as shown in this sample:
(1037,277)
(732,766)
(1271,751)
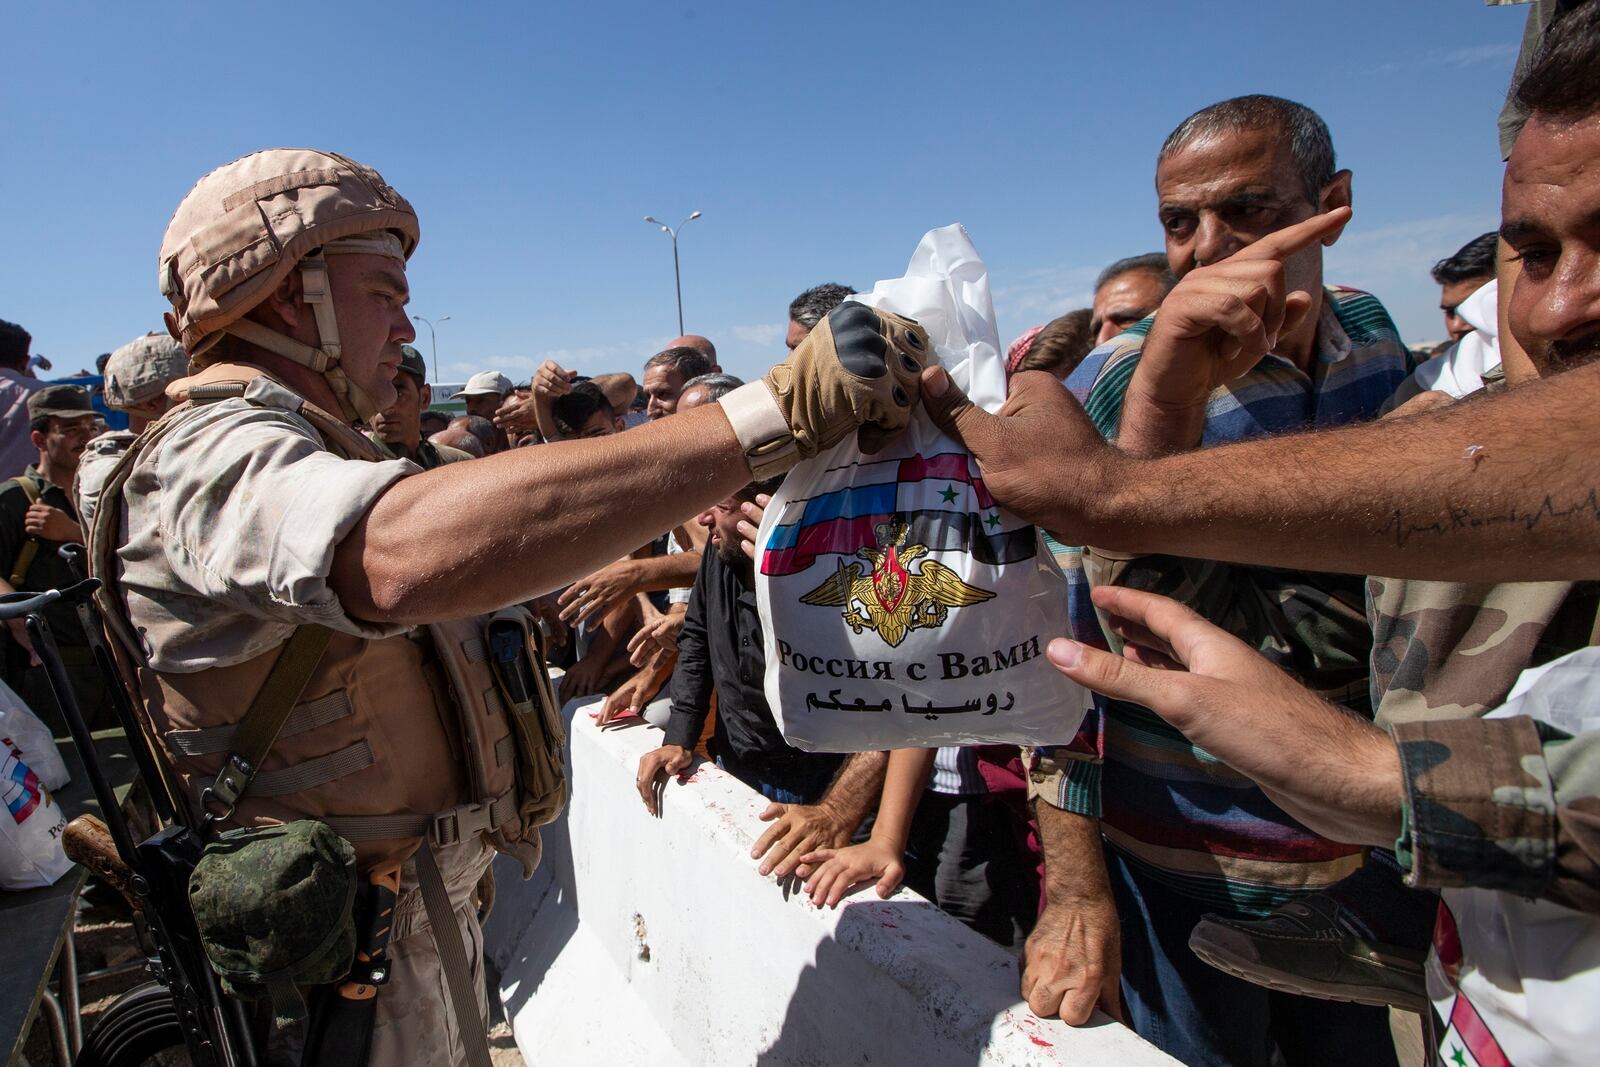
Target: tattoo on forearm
(1403,527)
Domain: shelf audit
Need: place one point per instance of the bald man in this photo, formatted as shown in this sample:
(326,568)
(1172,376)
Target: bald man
(699,344)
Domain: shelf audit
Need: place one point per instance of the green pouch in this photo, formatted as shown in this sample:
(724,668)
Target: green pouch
(274,907)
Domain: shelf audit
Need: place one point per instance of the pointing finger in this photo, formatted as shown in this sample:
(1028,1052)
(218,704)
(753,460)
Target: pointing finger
(1291,239)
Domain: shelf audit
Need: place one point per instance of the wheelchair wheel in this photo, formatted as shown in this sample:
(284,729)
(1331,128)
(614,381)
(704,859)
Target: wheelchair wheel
(140,1027)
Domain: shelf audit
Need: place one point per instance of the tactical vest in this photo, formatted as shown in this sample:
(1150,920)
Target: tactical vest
(391,740)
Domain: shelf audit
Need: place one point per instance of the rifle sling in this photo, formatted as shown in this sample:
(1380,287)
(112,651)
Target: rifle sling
(258,730)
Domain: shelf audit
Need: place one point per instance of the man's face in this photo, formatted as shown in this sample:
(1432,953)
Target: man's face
(796,334)
(401,422)
(1225,191)
(483,405)
(369,299)
(1450,297)
(662,384)
(599,425)
(722,519)
(1123,301)
(1550,209)
(64,441)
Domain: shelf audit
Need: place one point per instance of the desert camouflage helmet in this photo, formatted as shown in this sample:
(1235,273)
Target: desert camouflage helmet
(246,225)
(139,371)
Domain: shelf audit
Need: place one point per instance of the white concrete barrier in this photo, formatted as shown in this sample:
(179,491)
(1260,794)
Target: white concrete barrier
(657,941)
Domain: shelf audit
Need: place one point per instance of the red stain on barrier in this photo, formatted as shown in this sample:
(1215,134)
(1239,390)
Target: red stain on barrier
(1041,1042)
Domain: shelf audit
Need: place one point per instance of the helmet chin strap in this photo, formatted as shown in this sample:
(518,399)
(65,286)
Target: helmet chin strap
(355,403)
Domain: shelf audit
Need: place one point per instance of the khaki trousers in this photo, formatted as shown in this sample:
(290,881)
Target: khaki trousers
(416,1024)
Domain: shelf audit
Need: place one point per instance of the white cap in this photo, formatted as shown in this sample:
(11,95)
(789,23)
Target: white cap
(485,383)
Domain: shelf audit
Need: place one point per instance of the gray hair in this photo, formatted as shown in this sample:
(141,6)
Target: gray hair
(1309,141)
(810,306)
(716,386)
(1154,262)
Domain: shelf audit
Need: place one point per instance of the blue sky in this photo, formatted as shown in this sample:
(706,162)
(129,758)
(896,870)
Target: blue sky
(819,140)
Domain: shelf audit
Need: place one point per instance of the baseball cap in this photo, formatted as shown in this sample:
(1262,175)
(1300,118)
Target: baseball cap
(140,370)
(412,363)
(485,383)
(60,401)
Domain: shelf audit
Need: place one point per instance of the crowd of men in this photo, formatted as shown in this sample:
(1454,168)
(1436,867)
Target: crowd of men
(1240,854)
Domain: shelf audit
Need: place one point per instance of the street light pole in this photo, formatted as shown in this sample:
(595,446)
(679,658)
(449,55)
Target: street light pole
(433,340)
(677,276)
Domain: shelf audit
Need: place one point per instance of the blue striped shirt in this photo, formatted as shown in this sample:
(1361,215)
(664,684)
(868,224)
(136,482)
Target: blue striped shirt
(1177,813)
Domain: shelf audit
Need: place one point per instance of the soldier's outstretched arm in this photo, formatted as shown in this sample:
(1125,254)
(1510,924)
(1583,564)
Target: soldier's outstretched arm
(1502,488)
(496,531)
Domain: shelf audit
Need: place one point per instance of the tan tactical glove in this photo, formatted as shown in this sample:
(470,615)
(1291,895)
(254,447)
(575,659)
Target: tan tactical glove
(855,372)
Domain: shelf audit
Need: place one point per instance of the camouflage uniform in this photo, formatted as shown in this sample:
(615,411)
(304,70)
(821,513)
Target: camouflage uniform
(95,465)
(1507,804)
(1453,650)
(231,525)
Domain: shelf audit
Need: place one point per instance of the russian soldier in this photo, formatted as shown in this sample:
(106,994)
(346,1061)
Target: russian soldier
(260,553)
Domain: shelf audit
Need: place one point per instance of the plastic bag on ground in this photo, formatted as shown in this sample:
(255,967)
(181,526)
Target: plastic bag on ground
(901,608)
(30,827)
(22,729)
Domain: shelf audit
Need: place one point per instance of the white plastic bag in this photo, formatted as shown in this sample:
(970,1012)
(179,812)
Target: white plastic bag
(1517,981)
(30,827)
(900,607)
(21,728)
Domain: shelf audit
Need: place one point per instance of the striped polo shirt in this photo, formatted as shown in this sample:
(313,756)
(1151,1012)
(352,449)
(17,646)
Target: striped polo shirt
(1177,813)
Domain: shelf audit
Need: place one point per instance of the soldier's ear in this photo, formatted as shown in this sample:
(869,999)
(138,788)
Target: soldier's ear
(284,303)
(425,396)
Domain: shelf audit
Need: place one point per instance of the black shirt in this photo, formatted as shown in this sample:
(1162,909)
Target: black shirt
(720,645)
(48,570)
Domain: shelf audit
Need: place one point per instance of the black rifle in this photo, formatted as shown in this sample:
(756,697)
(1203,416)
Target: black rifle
(215,1027)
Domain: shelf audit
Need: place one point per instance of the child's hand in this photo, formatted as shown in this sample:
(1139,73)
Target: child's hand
(844,867)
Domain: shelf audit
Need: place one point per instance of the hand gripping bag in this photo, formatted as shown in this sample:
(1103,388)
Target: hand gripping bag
(901,608)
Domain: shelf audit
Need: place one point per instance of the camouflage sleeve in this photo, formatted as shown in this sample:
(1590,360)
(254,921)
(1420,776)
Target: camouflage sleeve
(1509,804)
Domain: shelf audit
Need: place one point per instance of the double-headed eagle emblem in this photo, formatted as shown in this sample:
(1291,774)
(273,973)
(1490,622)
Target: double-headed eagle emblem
(892,599)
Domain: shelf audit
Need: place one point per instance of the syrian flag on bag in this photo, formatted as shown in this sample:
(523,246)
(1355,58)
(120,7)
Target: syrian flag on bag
(902,607)
(1467,1040)
(21,788)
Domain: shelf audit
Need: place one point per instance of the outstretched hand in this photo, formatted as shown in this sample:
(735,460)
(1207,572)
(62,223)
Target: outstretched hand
(1334,771)
(1041,457)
